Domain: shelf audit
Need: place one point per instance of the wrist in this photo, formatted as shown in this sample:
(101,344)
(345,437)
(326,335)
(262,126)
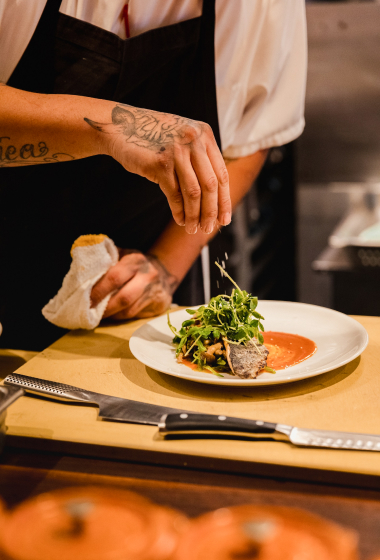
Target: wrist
(169,280)
(99,142)
(95,118)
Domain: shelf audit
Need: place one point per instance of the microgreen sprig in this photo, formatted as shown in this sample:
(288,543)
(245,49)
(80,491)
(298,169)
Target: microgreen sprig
(226,316)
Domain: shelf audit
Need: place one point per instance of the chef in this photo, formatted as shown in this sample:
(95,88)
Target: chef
(113,120)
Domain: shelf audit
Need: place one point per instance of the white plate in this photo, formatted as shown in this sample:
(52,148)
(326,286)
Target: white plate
(339,340)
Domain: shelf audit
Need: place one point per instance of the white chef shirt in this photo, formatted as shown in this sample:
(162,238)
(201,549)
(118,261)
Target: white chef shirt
(260,57)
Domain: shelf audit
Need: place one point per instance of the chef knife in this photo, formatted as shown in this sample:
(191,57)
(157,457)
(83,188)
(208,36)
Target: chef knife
(177,422)
(187,423)
(110,408)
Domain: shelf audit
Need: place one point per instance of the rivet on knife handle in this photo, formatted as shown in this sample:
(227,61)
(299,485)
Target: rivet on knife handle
(189,423)
(59,391)
(185,423)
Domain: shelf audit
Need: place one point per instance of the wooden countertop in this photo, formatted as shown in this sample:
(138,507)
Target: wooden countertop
(102,361)
(344,399)
(24,474)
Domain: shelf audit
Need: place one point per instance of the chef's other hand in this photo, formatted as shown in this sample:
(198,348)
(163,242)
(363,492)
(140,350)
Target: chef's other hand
(140,284)
(180,155)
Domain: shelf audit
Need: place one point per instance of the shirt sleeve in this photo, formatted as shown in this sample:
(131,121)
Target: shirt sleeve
(260,74)
(18,20)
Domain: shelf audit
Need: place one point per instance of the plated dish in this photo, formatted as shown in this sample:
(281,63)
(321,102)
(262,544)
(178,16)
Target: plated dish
(339,340)
(227,336)
(224,336)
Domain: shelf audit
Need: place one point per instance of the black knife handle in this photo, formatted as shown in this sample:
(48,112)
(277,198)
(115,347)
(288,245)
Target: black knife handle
(187,423)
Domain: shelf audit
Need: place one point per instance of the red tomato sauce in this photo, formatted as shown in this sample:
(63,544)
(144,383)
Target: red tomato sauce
(286,350)
(187,362)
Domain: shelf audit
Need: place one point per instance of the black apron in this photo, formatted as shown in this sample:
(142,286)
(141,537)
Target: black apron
(44,208)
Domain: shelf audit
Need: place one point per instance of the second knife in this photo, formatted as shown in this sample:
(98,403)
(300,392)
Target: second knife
(187,424)
(110,408)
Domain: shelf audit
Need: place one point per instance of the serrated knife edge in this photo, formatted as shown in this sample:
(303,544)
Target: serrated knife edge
(334,440)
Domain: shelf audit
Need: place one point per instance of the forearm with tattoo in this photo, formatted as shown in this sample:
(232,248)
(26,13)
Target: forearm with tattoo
(158,289)
(178,154)
(169,281)
(28,154)
(149,129)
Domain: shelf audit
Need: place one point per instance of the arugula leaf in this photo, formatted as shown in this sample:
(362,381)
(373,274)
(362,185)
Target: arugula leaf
(226,316)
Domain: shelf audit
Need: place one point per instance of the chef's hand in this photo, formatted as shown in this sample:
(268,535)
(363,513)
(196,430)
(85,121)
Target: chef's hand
(179,154)
(140,284)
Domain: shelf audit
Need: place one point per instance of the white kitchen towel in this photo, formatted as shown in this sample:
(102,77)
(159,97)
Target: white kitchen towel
(93,256)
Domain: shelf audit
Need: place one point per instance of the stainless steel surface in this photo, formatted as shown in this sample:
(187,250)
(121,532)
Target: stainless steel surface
(58,391)
(123,410)
(333,259)
(110,408)
(283,430)
(363,211)
(341,141)
(335,440)
(321,209)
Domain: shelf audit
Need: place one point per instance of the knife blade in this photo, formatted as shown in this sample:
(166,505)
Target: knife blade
(110,408)
(178,422)
(189,423)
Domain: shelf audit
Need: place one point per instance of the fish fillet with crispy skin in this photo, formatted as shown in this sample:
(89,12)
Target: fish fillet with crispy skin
(247,360)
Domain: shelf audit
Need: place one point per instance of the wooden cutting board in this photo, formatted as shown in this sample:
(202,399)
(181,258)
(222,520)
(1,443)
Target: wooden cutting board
(347,399)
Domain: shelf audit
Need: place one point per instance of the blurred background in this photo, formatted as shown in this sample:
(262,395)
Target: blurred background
(310,230)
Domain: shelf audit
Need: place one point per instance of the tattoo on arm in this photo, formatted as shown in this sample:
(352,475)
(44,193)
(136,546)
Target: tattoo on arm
(28,154)
(169,281)
(149,129)
(159,289)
